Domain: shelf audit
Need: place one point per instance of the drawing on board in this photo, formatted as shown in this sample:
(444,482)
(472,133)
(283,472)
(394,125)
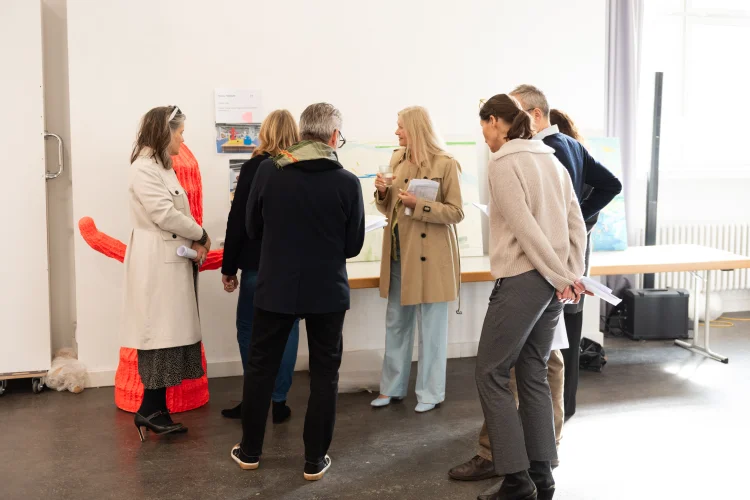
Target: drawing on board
(237,138)
(611,231)
(235,165)
(364,158)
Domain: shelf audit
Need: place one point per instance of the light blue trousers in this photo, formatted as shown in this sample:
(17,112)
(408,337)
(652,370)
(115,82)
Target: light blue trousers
(399,341)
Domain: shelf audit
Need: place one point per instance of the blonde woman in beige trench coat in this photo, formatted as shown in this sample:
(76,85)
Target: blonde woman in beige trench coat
(419,272)
(160,311)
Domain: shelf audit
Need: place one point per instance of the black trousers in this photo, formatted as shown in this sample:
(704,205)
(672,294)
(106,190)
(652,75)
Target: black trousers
(324,340)
(571,358)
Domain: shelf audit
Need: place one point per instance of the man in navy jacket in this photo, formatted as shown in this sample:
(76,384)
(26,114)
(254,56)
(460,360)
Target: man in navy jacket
(595,187)
(309,212)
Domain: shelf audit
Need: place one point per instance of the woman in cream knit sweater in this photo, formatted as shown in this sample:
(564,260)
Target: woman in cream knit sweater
(537,244)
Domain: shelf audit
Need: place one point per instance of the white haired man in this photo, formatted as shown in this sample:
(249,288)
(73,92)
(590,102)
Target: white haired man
(310,214)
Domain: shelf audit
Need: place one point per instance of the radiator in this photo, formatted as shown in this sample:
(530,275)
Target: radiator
(730,237)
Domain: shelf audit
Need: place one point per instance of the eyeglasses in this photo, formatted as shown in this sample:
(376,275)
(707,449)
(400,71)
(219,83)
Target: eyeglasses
(175,111)
(342,140)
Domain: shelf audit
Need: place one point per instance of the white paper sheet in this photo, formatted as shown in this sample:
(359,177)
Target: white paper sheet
(484,208)
(424,189)
(373,222)
(600,291)
(560,339)
(238,106)
(186,252)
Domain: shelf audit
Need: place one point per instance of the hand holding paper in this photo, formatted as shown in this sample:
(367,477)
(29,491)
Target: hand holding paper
(424,189)
(409,200)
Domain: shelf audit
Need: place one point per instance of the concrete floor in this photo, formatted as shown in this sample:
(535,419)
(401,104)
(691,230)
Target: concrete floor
(659,422)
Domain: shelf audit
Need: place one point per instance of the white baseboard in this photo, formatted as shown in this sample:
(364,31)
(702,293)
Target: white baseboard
(104,378)
(354,365)
(735,301)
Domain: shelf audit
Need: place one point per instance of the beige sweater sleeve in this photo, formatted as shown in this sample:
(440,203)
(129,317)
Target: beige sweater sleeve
(508,195)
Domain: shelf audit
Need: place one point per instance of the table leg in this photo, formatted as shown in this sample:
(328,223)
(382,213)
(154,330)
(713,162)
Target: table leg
(705,349)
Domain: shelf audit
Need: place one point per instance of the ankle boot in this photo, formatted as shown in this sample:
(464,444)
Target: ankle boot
(541,474)
(516,486)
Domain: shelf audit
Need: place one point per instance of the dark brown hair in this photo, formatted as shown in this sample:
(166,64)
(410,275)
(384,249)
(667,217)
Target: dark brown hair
(506,108)
(155,134)
(565,124)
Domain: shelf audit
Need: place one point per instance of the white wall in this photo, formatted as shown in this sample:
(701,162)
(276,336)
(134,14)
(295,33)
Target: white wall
(370,60)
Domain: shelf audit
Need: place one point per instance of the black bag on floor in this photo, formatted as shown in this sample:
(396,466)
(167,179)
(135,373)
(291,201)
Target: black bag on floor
(593,357)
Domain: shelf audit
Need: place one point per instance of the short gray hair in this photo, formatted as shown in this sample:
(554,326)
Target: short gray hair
(318,121)
(532,98)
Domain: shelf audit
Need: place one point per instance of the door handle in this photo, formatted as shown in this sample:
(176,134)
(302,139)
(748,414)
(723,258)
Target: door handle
(60,161)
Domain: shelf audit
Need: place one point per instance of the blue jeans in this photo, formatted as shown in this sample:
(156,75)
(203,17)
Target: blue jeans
(245,313)
(400,322)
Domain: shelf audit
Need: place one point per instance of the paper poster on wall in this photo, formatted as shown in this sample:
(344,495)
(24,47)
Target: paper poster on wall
(364,158)
(238,138)
(611,230)
(235,165)
(238,106)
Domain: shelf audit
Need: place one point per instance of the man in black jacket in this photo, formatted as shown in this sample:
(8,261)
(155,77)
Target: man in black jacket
(309,212)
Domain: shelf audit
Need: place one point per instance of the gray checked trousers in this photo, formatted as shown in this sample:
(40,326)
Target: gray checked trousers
(517,332)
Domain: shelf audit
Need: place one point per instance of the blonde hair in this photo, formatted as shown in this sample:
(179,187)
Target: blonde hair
(278,131)
(423,141)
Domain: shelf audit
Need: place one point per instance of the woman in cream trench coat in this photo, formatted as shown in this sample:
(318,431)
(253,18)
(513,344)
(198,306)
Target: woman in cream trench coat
(160,310)
(423,275)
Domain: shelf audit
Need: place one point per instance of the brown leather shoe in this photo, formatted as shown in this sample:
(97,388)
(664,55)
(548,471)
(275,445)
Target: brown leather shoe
(476,469)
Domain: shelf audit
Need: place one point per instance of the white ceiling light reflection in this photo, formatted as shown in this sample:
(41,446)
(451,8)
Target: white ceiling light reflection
(697,373)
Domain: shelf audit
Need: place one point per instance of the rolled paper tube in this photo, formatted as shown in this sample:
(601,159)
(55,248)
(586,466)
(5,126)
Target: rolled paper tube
(186,252)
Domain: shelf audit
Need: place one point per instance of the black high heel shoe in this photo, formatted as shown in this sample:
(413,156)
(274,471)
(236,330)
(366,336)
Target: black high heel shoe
(168,418)
(157,428)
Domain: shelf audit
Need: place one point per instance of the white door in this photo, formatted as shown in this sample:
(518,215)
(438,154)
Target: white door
(24,276)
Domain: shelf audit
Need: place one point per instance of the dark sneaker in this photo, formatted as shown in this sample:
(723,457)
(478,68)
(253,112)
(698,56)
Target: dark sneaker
(246,462)
(313,472)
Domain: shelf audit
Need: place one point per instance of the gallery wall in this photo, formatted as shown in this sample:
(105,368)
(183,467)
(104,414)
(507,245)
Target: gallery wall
(370,60)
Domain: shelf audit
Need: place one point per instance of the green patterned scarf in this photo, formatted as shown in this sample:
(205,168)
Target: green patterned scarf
(303,151)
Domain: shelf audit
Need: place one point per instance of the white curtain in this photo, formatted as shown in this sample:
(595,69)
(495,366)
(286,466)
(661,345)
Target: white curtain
(624,30)
(624,33)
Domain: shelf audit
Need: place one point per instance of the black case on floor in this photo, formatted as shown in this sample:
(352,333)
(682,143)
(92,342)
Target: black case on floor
(656,313)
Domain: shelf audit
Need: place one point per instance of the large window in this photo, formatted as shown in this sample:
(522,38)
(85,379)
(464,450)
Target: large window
(703,48)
